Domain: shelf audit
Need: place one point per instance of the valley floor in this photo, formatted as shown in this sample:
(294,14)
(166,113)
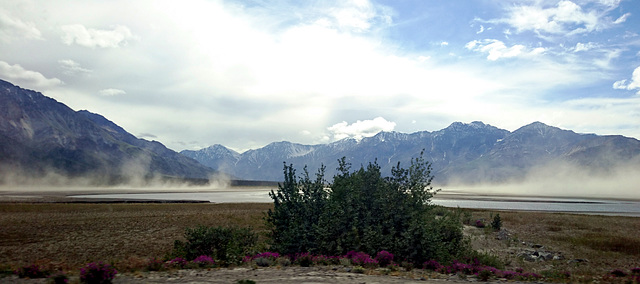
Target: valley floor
(68,235)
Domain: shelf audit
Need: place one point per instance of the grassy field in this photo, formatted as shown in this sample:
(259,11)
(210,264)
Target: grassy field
(66,236)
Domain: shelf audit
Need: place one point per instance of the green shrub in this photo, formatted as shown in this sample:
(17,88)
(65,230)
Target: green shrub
(364,211)
(225,245)
(496,224)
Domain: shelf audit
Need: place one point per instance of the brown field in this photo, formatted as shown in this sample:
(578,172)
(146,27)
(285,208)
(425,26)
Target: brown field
(66,236)
(603,243)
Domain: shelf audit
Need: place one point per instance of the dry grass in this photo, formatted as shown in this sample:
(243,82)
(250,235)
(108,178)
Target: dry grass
(66,236)
(606,242)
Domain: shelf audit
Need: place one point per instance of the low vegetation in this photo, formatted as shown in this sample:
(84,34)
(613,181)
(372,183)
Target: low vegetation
(361,221)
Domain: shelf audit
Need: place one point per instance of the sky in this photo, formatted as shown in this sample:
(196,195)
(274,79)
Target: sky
(246,73)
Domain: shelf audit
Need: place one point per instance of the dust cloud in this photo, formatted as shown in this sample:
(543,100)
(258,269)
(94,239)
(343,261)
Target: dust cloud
(565,179)
(133,174)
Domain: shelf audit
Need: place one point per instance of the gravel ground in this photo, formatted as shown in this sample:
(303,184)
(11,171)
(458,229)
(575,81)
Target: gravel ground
(286,275)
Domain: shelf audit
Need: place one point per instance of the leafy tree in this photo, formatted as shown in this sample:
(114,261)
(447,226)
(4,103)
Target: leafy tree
(298,205)
(364,211)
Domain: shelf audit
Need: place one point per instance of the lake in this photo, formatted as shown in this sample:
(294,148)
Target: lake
(492,202)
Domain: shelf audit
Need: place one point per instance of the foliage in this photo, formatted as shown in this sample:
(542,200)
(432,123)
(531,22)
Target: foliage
(365,212)
(298,206)
(496,224)
(226,245)
(97,273)
(31,271)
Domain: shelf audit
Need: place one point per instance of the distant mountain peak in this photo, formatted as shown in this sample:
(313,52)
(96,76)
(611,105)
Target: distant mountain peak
(463,126)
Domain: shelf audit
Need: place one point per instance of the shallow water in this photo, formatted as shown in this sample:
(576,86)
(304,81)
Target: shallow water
(495,202)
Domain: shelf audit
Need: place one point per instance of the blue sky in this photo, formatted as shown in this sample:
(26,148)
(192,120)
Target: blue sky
(246,73)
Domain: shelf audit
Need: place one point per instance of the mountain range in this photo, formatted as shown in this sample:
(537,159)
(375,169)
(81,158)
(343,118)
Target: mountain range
(40,136)
(463,153)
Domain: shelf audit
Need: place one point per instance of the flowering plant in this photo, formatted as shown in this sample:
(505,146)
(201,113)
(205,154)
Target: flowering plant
(204,261)
(361,258)
(384,258)
(177,262)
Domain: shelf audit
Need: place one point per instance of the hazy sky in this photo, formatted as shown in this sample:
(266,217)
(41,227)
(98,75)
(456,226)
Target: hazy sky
(246,73)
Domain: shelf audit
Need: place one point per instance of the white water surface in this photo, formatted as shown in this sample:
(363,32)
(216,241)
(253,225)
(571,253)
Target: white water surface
(450,199)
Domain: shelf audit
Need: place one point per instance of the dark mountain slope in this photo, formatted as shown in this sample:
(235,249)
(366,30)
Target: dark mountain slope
(39,135)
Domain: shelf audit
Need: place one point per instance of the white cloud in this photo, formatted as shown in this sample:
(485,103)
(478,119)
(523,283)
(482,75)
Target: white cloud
(444,43)
(12,28)
(360,129)
(72,68)
(18,75)
(352,16)
(632,84)
(565,18)
(112,92)
(585,46)
(497,49)
(80,35)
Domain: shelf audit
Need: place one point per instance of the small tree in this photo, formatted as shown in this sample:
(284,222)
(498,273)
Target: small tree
(496,224)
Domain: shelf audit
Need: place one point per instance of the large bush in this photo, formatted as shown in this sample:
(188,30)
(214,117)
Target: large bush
(364,211)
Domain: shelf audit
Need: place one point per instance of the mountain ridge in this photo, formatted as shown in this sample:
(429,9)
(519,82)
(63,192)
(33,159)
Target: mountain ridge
(469,153)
